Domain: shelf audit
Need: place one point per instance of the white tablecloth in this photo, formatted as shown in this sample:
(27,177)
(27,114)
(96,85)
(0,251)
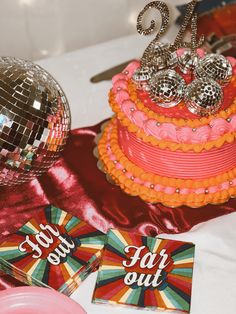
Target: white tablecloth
(214,282)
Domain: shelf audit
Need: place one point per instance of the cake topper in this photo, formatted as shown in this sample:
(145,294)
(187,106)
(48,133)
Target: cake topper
(162,65)
(167,88)
(216,67)
(203,96)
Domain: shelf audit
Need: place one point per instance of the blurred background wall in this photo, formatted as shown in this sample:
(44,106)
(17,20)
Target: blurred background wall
(35,29)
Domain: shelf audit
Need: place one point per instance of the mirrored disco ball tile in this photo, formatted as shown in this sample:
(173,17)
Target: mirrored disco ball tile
(34,120)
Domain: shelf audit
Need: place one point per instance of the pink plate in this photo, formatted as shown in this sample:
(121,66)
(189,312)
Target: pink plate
(33,300)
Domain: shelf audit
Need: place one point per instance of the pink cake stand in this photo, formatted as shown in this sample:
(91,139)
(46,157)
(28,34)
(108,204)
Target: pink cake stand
(33,300)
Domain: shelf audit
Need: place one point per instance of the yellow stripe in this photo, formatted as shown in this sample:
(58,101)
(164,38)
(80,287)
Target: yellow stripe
(63,215)
(31,270)
(8,248)
(166,300)
(69,269)
(32,227)
(69,281)
(120,237)
(184,261)
(110,267)
(126,295)
(158,242)
(92,246)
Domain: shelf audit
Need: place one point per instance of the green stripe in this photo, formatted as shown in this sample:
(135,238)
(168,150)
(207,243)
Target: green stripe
(75,265)
(11,254)
(27,230)
(55,214)
(151,243)
(93,240)
(176,299)
(115,242)
(107,274)
(74,221)
(134,296)
(39,270)
(184,255)
(185,272)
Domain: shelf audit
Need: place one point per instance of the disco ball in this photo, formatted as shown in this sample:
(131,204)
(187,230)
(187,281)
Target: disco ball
(216,67)
(203,96)
(141,77)
(167,88)
(188,61)
(34,121)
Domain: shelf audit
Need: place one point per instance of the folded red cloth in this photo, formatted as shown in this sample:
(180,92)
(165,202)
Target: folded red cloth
(76,185)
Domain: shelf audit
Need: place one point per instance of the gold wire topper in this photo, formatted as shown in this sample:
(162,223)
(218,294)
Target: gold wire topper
(158,73)
(190,18)
(150,51)
(165,14)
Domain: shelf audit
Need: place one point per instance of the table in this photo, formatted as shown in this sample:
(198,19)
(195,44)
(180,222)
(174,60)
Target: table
(214,282)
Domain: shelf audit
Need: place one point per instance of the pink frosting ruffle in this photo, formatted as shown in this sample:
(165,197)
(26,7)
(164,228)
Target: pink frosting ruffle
(168,131)
(131,68)
(167,189)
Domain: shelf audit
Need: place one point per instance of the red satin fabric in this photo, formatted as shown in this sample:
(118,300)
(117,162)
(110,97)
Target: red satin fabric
(76,185)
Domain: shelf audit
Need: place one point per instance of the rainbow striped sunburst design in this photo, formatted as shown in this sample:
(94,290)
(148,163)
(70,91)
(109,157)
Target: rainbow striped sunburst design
(54,249)
(145,272)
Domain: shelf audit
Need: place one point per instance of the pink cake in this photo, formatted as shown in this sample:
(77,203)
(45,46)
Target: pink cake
(169,155)
(172,139)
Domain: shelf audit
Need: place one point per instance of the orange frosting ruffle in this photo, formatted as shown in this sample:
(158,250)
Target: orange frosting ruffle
(150,195)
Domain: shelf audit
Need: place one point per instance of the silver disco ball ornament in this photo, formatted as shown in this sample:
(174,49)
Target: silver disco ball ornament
(167,88)
(215,66)
(203,96)
(158,56)
(188,61)
(141,77)
(34,120)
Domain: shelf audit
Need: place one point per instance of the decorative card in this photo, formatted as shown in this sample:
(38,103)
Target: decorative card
(145,272)
(53,249)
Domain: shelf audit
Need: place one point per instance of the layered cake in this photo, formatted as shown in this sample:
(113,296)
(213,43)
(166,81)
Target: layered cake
(172,138)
